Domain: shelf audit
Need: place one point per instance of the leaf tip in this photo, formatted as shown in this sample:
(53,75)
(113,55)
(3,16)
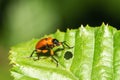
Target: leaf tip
(103,24)
(82,26)
(58,30)
(68,29)
(87,25)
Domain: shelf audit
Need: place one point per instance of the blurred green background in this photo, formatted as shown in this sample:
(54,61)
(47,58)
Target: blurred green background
(23,20)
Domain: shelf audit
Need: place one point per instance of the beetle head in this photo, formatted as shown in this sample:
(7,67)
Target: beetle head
(56,42)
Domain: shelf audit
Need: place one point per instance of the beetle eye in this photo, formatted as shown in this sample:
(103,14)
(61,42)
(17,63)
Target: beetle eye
(55,41)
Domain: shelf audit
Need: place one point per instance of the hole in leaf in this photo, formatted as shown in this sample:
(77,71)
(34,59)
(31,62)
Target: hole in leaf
(68,55)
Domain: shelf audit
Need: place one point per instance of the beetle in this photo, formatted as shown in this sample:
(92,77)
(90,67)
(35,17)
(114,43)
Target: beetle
(46,45)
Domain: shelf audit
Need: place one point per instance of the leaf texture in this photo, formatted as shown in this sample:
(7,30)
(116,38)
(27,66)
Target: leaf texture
(96,56)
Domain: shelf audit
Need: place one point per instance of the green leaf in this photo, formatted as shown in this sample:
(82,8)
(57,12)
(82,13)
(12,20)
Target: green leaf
(96,56)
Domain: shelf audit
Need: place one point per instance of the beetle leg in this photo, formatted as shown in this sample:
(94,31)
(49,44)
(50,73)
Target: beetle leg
(65,44)
(51,52)
(57,50)
(32,53)
(44,51)
(55,60)
(38,55)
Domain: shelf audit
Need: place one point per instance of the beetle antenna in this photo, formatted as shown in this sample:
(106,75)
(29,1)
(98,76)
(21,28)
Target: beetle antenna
(32,53)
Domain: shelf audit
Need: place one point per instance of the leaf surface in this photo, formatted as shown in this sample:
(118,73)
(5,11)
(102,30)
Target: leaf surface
(96,56)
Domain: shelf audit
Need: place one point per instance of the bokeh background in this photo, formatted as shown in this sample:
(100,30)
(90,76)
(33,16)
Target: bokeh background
(23,20)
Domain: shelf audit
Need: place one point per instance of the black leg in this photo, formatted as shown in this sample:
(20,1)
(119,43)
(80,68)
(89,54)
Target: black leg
(38,57)
(59,49)
(32,53)
(65,44)
(55,60)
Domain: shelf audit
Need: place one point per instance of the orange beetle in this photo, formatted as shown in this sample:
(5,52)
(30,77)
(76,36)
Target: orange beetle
(46,44)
